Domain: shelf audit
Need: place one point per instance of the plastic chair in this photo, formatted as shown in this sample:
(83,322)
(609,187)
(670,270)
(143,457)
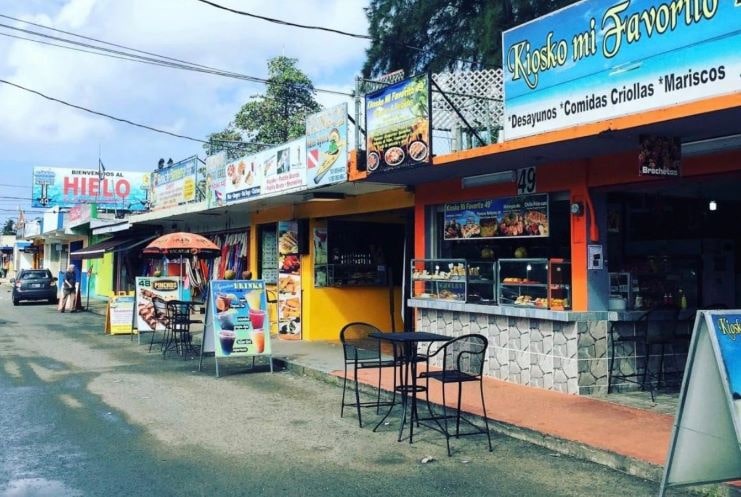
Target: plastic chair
(463,362)
(362,352)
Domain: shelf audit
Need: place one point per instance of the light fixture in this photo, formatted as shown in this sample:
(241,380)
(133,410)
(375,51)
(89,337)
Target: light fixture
(323,196)
(713,205)
(577,208)
(711,145)
(488,179)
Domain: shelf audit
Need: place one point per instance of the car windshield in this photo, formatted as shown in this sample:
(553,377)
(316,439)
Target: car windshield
(35,275)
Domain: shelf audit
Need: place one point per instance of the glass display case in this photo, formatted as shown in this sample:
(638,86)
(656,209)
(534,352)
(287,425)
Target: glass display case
(539,283)
(482,282)
(440,279)
(559,285)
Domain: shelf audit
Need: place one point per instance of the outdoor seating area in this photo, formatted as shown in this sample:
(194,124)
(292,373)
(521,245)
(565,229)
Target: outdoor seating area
(445,361)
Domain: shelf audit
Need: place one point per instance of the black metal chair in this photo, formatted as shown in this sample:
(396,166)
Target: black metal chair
(179,337)
(462,362)
(362,352)
(160,316)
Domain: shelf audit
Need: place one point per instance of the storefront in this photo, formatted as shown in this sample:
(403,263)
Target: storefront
(605,191)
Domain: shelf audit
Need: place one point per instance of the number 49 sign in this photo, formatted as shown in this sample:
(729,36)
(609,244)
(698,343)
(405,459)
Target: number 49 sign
(526,181)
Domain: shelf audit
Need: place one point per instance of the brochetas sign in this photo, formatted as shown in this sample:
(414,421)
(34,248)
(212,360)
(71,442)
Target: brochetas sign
(595,60)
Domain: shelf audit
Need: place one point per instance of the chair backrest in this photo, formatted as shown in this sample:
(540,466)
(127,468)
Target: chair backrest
(178,315)
(465,354)
(355,336)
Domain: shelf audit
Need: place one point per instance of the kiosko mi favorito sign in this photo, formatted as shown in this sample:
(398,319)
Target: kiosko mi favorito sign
(596,60)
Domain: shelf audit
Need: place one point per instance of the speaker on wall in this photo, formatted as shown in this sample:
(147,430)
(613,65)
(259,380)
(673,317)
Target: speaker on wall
(303,236)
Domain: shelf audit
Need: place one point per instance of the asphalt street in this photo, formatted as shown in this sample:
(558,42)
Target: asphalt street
(86,414)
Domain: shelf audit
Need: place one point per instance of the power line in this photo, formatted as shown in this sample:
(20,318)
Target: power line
(156,59)
(322,28)
(102,114)
(15,186)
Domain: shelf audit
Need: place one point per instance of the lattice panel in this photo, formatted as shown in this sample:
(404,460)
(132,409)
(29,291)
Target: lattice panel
(478,96)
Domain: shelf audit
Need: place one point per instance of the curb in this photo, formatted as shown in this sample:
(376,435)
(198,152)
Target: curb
(625,464)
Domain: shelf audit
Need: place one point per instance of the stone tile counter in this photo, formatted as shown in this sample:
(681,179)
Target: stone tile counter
(556,350)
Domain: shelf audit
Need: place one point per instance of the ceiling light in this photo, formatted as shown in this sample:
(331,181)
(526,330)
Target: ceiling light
(713,205)
(488,179)
(323,197)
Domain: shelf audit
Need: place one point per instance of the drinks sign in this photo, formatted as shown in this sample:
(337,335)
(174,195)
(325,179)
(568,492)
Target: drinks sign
(239,321)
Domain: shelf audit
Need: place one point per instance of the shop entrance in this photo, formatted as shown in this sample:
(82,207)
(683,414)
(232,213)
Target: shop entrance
(675,243)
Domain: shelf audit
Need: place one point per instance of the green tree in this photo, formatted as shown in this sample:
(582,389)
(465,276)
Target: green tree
(280,114)
(439,35)
(9,228)
(229,140)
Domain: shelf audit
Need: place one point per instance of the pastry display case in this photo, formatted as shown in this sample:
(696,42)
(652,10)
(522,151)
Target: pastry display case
(482,282)
(538,283)
(440,279)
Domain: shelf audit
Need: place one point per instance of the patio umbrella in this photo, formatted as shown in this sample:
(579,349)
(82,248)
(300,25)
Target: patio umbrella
(182,244)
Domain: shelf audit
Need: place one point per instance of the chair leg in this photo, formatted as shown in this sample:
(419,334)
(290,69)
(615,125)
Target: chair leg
(458,411)
(378,392)
(486,419)
(445,421)
(344,387)
(357,393)
(612,363)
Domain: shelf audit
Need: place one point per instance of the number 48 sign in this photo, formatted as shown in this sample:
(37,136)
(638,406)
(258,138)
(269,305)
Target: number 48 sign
(526,181)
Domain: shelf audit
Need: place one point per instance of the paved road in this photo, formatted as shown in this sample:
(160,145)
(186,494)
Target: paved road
(84,414)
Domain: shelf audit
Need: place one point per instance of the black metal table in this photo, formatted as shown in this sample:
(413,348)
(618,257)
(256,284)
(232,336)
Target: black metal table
(408,387)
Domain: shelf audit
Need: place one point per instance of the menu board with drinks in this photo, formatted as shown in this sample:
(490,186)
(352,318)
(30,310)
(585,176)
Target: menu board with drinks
(238,318)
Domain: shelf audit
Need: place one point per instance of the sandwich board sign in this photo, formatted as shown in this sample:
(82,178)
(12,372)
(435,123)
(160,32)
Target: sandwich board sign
(237,322)
(706,439)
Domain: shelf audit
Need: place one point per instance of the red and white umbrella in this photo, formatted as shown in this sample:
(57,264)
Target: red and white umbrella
(181,244)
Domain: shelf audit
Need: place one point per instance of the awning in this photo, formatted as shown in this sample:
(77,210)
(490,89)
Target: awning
(113,245)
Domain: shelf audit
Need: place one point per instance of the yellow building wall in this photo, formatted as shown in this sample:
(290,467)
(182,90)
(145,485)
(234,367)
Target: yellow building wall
(103,270)
(326,310)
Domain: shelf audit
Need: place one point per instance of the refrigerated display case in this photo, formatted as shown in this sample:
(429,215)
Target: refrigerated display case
(539,283)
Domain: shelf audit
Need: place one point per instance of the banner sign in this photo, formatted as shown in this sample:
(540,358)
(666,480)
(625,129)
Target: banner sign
(66,187)
(397,120)
(593,61)
(289,281)
(81,214)
(167,288)
(516,217)
(239,321)
(119,319)
(280,169)
(215,180)
(174,185)
(326,146)
(705,446)
(659,156)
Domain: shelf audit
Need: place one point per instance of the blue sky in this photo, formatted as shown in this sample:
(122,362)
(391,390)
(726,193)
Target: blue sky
(36,132)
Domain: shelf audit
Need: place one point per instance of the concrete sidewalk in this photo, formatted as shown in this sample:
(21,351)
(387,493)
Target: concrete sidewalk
(625,438)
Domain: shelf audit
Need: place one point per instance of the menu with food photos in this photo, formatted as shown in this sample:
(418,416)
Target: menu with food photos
(289,281)
(515,217)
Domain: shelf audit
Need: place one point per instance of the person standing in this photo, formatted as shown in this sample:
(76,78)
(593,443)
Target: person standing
(68,290)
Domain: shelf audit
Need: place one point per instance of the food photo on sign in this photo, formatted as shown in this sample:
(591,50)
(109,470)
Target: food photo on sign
(516,217)
(289,281)
(398,125)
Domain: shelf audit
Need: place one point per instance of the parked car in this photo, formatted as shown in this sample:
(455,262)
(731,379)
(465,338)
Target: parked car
(34,284)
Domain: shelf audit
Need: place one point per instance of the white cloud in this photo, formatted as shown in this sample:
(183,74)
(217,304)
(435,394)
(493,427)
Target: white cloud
(35,131)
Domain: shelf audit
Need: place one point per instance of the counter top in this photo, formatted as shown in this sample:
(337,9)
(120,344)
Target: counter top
(531,312)
(508,310)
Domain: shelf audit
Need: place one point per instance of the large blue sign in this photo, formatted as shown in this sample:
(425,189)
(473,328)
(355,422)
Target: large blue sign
(599,59)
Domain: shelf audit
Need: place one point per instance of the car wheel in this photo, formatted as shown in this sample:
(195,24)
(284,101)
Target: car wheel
(15,301)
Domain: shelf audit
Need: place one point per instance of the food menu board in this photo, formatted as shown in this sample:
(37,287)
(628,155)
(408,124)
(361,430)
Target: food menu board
(215,181)
(326,146)
(240,324)
(120,311)
(728,335)
(659,156)
(175,184)
(289,281)
(147,317)
(269,257)
(276,170)
(398,125)
(515,217)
